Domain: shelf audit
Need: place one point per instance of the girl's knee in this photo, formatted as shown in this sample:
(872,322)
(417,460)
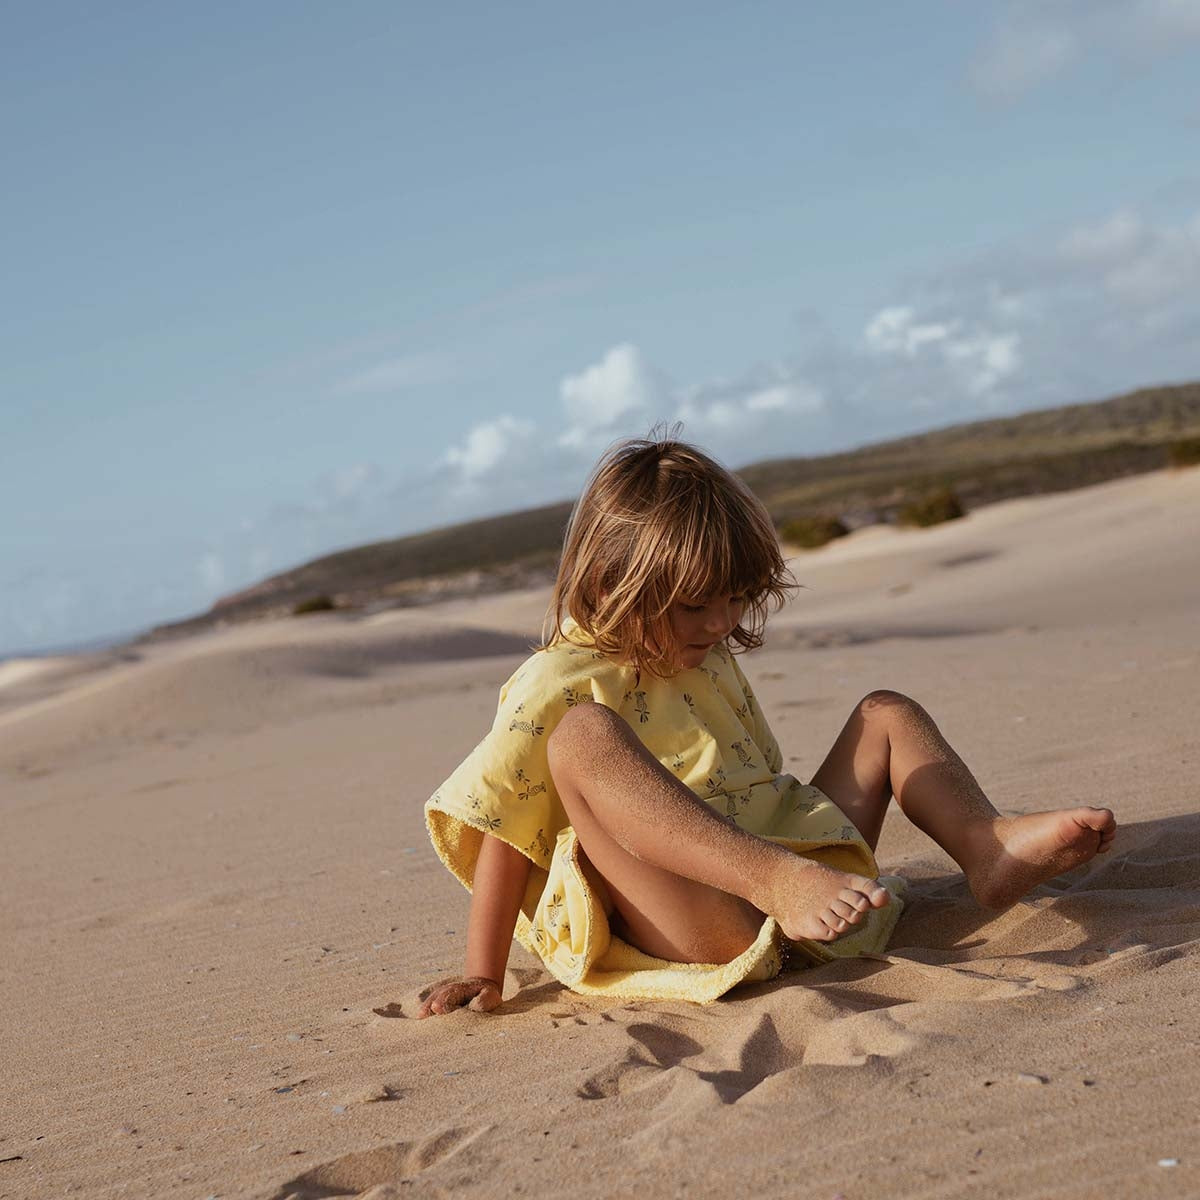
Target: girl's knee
(886,705)
(581,728)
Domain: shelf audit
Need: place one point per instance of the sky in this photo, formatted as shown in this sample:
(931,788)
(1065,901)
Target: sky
(282,278)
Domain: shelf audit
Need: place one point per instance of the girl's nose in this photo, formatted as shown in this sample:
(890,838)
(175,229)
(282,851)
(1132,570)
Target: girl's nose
(720,619)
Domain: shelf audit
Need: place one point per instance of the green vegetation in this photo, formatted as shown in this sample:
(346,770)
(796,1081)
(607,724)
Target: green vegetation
(933,508)
(313,605)
(810,532)
(1184,453)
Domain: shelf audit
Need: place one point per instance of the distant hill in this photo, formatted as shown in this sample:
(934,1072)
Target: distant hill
(1031,453)
(1050,450)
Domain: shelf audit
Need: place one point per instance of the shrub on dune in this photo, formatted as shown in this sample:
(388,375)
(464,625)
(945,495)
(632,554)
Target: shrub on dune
(931,509)
(810,532)
(1184,453)
(314,604)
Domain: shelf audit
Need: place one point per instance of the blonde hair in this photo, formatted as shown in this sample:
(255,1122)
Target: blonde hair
(659,520)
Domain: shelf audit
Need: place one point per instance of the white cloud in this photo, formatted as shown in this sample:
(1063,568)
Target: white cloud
(1110,240)
(1097,308)
(486,446)
(1035,41)
(607,395)
(623,394)
(1160,24)
(986,359)
(742,419)
(796,396)
(1135,263)
(1021,56)
(716,417)
(769,399)
(978,360)
(895,330)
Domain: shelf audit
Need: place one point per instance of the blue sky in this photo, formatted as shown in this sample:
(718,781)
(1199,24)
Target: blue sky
(283,278)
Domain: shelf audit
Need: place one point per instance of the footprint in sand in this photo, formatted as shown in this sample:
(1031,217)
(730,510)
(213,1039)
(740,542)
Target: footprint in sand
(373,1172)
(641,1066)
(869,1038)
(760,1054)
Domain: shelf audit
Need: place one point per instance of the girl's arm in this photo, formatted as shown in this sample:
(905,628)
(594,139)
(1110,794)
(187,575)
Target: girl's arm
(501,874)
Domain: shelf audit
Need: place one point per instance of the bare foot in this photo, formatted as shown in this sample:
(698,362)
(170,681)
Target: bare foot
(820,903)
(1014,854)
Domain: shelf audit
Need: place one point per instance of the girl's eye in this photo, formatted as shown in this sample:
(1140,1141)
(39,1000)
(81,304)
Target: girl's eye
(695,608)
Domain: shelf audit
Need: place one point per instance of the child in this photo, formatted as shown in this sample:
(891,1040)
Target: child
(627,815)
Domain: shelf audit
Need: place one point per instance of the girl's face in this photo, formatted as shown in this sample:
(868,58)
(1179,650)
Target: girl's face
(699,624)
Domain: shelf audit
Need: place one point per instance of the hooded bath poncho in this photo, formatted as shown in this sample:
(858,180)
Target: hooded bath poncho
(705,727)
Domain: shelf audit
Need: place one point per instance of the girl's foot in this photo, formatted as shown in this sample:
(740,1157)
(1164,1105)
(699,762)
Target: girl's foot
(820,903)
(1014,854)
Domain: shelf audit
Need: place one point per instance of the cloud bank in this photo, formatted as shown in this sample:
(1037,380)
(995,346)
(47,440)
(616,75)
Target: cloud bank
(1086,312)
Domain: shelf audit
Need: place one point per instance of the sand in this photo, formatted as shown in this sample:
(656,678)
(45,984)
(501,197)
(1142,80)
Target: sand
(216,869)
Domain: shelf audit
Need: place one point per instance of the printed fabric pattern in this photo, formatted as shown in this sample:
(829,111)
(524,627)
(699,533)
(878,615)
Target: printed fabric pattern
(705,726)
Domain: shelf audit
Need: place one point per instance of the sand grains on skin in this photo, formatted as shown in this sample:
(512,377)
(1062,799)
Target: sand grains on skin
(1024,851)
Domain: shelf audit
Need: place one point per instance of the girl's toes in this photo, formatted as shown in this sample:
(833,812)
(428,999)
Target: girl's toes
(847,912)
(854,900)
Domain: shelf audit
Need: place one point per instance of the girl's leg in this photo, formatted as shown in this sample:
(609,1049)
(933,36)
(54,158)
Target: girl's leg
(687,885)
(891,747)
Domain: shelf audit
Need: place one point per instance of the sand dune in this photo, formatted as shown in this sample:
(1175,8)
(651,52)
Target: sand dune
(216,871)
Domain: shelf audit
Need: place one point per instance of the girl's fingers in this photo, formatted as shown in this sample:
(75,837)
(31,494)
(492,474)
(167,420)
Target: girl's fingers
(483,997)
(453,998)
(435,1002)
(487,999)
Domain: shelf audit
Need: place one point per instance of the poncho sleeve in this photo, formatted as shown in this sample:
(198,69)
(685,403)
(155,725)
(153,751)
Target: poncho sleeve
(756,724)
(504,787)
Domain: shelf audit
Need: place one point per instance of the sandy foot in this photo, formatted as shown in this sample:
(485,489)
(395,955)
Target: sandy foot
(822,903)
(1015,854)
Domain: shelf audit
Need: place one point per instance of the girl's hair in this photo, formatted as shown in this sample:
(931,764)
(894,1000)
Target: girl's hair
(660,521)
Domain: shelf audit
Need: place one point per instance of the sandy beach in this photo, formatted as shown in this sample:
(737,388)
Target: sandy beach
(216,871)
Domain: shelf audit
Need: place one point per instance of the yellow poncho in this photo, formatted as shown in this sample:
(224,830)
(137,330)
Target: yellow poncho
(705,727)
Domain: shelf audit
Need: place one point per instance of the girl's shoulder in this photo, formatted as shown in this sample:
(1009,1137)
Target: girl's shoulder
(566,672)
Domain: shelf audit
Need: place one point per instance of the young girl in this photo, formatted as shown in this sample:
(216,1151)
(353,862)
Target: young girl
(627,815)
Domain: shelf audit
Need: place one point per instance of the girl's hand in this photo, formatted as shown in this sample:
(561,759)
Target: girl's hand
(482,994)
